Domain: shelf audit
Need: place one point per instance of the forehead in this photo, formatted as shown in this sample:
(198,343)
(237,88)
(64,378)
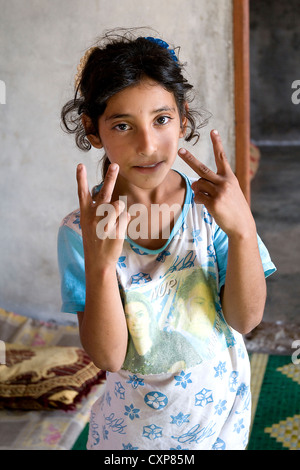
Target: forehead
(147,95)
(135,306)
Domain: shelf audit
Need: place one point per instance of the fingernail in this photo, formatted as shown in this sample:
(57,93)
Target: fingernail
(113,166)
(182,151)
(215,132)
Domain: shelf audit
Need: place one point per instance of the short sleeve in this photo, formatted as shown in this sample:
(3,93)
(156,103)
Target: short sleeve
(221,249)
(72,271)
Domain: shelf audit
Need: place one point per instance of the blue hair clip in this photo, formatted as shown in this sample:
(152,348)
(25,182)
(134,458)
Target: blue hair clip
(165,45)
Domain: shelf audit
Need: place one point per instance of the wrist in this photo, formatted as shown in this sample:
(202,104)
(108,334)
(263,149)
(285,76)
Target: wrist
(100,271)
(243,232)
(242,236)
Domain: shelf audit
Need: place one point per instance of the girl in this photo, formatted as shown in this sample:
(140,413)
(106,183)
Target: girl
(132,101)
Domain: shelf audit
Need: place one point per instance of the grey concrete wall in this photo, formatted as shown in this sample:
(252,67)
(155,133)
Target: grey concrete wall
(42,42)
(274,66)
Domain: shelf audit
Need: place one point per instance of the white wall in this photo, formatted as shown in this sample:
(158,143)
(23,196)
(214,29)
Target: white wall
(41,44)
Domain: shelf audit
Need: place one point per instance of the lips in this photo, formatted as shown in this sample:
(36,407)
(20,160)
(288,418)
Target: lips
(149,167)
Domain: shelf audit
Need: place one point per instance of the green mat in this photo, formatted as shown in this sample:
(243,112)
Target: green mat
(276,423)
(276,405)
(80,444)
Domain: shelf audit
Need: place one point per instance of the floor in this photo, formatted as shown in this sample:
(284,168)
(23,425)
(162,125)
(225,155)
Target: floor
(275,203)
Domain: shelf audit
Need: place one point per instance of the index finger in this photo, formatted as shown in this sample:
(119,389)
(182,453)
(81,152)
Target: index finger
(199,167)
(106,191)
(220,157)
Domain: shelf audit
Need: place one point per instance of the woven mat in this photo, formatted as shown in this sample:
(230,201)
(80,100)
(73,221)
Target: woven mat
(275,403)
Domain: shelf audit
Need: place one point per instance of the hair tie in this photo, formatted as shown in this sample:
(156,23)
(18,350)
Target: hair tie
(81,66)
(163,44)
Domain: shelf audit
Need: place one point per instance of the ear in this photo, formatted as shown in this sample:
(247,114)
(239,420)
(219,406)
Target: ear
(184,120)
(91,133)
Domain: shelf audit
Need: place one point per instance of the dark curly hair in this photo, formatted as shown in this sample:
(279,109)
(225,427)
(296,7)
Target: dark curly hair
(118,60)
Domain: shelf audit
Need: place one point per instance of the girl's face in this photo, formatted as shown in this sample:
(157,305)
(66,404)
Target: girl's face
(138,319)
(139,130)
(198,312)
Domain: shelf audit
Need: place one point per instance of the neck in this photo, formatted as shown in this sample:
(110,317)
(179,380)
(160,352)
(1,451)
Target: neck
(152,222)
(147,196)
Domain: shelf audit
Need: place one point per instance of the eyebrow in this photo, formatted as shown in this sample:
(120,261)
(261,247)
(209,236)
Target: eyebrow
(155,111)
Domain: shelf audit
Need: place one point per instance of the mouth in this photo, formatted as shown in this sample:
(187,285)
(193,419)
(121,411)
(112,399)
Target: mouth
(148,168)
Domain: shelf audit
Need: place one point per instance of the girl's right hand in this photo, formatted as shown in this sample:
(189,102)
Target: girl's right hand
(102,221)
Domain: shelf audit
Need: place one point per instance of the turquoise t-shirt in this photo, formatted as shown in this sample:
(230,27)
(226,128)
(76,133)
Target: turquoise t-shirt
(71,256)
(185,381)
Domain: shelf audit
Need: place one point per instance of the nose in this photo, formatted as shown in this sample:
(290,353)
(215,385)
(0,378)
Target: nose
(145,142)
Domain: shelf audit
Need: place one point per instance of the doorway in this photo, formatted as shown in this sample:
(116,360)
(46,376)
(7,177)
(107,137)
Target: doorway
(275,130)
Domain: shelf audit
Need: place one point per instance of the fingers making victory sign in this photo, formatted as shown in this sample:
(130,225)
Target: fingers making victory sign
(102,220)
(220,191)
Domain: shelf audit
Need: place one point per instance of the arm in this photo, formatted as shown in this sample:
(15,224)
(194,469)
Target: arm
(102,325)
(244,294)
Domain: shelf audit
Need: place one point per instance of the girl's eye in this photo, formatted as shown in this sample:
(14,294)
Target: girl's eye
(162,120)
(122,127)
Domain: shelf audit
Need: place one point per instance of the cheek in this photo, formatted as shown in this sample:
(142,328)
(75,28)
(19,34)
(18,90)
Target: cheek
(111,152)
(170,145)
(109,146)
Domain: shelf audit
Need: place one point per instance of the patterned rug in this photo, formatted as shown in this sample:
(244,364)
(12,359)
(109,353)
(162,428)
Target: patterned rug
(41,429)
(275,404)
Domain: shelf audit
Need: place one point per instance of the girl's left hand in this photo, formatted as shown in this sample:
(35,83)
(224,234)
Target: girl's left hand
(220,192)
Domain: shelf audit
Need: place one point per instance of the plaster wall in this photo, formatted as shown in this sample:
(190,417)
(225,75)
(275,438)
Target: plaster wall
(42,42)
